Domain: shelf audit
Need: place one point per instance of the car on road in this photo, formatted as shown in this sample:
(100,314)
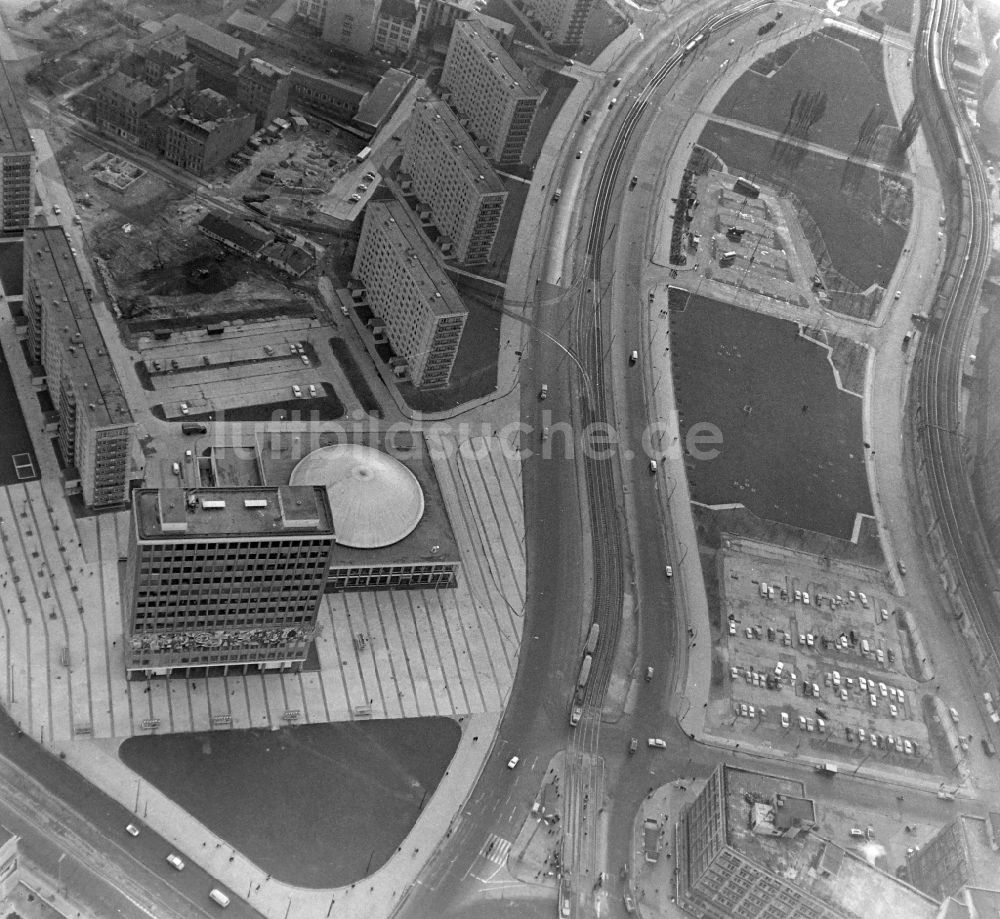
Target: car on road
(633,357)
(56,209)
(543,393)
(513,761)
(617,82)
(670,571)
(587,114)
(633,745)
(611,104)
(296,390)
(652,467)
(784,719)
(175,861)
(901,568)
(954,714)
(131,829)
(177,468)
(632,184)
(579,153)
(649,674)
(629,904)
(897,295)
(658,742)
(185,408)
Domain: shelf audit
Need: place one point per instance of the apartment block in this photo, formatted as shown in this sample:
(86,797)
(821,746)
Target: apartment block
(95,427)
(453,178)
(207,131)
(489,91)
(409,291)
(312,11)
(227,578)
(263,89)
(746,849)
(17,161)
(563,21)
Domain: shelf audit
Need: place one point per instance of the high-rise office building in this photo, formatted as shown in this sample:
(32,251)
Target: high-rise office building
(95,426)
(452,177)
(563,21)
(409,291)
(489,91)
(17,161)
(225,577)
(745,849)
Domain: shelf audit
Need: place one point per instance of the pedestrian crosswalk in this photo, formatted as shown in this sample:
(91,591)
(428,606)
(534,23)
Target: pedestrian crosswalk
(495,849)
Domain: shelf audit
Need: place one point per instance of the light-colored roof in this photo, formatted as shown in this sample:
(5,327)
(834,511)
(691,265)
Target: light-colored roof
(374,499)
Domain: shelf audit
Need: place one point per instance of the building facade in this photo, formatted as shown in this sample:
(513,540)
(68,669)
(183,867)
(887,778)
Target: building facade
(745,849)
(312,11)
(408,290)
(563,21)
(225,578)
(397,26)
(17,161)
(217,54)
(450,175)
(325,97)
(263,89)
(489,91)
(96,431)
(351,24)
(207,132)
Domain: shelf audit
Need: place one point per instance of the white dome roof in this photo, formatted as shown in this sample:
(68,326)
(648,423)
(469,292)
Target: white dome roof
(375,500)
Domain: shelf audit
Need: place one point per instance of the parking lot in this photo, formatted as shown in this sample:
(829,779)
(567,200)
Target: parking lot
(812,655)
(286,363)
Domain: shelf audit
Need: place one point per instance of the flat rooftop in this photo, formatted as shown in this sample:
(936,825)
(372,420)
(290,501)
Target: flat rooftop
(411,248)
(48,259)
(379,103)
(211,37)
(488,45)
(197,513)
(14,136)
(830,872)
(277,454)
(445,124)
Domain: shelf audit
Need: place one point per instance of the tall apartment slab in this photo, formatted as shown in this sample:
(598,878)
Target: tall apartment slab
(96,430)
(453,178)
(489,91)
(409,291)
(17,161)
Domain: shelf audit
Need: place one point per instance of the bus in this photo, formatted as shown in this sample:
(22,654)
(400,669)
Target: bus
(748,188)
(363,155)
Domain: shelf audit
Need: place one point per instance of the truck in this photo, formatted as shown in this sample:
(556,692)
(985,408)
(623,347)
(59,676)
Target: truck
(576,706)
(363,155)
(827,768)
(746,187)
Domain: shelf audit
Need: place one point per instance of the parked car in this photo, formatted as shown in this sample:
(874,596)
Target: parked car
(513,761)
(131,829)
(657,742)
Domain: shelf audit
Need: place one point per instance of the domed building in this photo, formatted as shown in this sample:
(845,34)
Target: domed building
(391,529)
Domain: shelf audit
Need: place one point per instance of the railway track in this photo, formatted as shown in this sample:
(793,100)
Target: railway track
(955,528)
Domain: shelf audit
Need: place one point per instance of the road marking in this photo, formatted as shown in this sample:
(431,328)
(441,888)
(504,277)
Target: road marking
(495,849)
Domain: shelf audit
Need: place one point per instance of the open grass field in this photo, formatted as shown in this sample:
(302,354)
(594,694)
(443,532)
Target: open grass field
(843,198)
(318,805)
(847,70)
(792,448)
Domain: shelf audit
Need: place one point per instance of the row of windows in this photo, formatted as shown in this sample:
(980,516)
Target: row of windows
(274,619)
(167,658)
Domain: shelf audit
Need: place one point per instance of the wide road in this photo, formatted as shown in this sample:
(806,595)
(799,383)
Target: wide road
(83,845)
(535,725)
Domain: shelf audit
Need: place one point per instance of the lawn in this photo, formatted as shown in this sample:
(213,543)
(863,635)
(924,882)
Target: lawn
(845,70)
(319,805)
(843,198)
(792,448)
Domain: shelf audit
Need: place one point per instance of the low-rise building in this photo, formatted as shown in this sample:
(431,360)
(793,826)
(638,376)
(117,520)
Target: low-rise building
(94,424)
(217,54)
(409,291)
(17,161)
(450,175)
(350,24)
(329,98)
(378,104)
(490,92)
(227,578)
